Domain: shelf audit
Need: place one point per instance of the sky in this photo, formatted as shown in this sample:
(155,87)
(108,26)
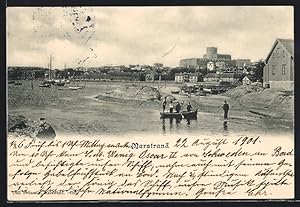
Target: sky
(97,36)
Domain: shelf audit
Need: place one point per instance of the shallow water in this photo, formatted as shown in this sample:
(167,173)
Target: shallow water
(79,112)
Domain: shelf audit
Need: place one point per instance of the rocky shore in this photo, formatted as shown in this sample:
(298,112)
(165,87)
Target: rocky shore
(20,125)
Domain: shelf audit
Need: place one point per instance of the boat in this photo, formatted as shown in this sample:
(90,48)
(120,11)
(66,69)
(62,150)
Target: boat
(201,93)
(175,92)
(18,83)
(75,87)
(165,115)
(183,114)
(45,85)
(190,114)
(60,84)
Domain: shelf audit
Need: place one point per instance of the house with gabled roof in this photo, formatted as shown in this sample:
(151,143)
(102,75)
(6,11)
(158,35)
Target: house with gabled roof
(279,69)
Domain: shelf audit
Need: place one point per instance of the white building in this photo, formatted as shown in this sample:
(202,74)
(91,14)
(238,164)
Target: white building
(246,81)
(178,77)
(210,66)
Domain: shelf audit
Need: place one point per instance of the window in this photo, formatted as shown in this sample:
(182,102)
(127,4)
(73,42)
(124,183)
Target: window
(273,69)
(283,53)
(278,52)
(283,69)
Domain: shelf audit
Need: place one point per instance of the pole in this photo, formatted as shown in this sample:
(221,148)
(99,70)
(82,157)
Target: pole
(50,66)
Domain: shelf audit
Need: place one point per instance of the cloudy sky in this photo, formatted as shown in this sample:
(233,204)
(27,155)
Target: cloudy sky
(93,36)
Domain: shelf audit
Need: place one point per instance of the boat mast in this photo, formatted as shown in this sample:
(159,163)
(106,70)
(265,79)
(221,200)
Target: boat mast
(50,66)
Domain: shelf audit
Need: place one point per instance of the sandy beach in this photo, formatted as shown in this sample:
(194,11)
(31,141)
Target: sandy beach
(93,110)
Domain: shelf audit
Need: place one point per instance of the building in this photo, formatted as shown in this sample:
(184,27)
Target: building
(178,77)
(212,54)
(193,78)
(189,62)
(279,69)
(228,77)
(240,63)
(186,77)
(211,77)
(246,81)
(149,76)
(210,66)
(221,65)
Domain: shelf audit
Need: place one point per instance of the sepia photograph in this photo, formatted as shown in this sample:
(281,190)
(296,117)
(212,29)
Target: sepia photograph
(144,81)
(93,70)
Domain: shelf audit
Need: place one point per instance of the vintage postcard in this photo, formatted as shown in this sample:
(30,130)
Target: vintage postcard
(150,103)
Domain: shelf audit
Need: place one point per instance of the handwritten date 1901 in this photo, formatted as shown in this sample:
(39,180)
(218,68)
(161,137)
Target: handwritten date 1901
(246,140)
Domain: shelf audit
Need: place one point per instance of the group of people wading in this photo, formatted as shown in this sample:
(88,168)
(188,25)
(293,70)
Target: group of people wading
(189,107)
(178,106)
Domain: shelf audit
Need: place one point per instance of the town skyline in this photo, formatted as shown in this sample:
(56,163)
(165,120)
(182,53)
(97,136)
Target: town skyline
(97,36)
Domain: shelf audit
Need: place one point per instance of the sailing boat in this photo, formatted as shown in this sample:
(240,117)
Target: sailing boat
(47,83)
(77,87)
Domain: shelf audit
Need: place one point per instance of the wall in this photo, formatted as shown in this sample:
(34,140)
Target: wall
(277,60)
(288,85)
(188,62)
(178,78)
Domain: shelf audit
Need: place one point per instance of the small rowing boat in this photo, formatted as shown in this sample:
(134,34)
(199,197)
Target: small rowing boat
(45,85)
(18,83)
(190,114)
(166,115)
(175,92)
(60,84)
(75,87)
(184,114)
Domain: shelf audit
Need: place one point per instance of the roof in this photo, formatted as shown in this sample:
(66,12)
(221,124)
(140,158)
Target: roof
(211,75)
(227,75)
(286,43)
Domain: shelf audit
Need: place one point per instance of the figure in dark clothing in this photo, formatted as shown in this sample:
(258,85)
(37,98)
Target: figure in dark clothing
(164,104)
(226,109)
(178,107)
(189,107)
(171,107)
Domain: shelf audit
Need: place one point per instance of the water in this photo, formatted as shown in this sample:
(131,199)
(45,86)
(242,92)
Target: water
(79,112)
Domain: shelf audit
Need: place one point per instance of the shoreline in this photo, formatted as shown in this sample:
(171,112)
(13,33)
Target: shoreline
(93,110)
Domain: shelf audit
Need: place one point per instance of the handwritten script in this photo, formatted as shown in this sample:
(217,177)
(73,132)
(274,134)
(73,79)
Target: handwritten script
(181,168)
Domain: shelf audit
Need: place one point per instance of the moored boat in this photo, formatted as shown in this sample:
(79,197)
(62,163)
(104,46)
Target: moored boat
(75,87)
(190,114)
(18,83)
(170,115)
(175,92)
(60,84)
(45,85)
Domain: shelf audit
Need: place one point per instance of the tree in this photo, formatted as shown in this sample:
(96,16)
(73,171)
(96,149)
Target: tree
(258,71)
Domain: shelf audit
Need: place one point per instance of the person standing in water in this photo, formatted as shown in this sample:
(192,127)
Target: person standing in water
(189,107)
(225,109)
(178,107)
(171,106)
(164,104)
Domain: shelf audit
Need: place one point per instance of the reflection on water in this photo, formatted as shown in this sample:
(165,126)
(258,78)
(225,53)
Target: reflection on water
(225,126)
(188,121)
(163,126)
(180,125)
(171,124)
